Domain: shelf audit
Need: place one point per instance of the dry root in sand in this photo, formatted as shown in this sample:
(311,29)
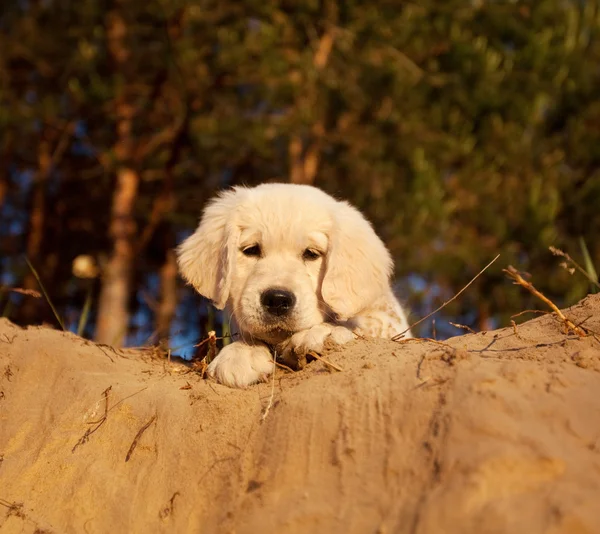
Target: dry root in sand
(95,424)
(519,280)
(138,436)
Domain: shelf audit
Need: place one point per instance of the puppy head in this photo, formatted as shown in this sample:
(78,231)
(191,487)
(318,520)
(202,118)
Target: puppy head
(284,258)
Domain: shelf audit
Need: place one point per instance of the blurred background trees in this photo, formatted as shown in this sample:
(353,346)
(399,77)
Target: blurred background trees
(461,129)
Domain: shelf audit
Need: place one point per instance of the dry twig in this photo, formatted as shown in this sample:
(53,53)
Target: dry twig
(208,338)
(463,327)
(168,510)
(401,334)
(519,280)
(200,367)
(419,367)
(212,346)
(28,292)
(514,325)
(14,508)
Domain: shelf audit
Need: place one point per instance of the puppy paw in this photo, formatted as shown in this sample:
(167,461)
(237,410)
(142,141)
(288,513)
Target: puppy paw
(313,339)
(238,365)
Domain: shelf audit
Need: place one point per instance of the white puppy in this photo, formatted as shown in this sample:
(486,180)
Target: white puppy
(295,268)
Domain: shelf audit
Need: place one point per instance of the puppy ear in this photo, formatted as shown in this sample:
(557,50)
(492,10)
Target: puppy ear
(358,265)
(206,258)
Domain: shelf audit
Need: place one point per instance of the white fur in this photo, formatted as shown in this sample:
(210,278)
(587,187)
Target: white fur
(240,364)
(345,291)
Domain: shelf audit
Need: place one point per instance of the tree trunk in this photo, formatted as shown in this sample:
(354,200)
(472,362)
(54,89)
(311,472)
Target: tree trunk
(304,162)
(484,322)
(304,155)
(296,164)
(113,306)
(164,204)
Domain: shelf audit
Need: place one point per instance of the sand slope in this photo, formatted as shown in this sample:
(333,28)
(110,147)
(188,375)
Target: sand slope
(497,432)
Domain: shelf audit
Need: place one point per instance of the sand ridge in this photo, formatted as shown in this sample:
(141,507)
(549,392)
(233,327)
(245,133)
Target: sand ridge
(491,432)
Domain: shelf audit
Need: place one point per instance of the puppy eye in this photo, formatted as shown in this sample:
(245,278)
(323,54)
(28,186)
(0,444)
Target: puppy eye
(253,250)
(311,255)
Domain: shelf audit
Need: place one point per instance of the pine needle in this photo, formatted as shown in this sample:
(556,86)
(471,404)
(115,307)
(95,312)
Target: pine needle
(39,281)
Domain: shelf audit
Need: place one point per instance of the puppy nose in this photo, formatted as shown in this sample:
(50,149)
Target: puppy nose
(278,302)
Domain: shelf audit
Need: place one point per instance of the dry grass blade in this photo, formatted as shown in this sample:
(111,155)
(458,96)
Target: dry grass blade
(39,281)
(270,403)
(593,278)
(326,362)
(128,397)
(426,340)
(85,313)
(519,280)
(401,334)
(284,367)
(529,311)
(587,259)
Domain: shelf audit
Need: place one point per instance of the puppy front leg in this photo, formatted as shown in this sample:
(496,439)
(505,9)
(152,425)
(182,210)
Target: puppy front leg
(312,339)
(240,364)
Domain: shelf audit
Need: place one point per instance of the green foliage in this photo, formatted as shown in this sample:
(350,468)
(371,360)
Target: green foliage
(462,129)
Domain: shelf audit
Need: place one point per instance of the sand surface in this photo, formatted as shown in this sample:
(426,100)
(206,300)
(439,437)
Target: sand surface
(496,432)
